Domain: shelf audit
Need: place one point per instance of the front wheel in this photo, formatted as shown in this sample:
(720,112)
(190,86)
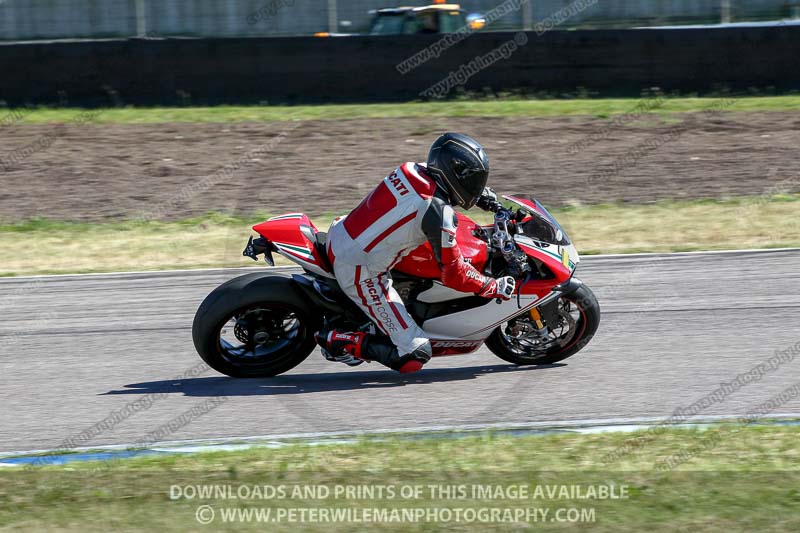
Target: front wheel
(254,326)
(522,342)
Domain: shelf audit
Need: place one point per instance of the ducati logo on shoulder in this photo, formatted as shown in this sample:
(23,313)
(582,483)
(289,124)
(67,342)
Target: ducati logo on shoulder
(398,184)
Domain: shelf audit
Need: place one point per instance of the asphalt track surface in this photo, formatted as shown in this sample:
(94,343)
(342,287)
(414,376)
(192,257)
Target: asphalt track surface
(74,349)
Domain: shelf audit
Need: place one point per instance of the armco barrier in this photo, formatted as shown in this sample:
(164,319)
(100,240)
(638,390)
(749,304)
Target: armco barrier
(364,69)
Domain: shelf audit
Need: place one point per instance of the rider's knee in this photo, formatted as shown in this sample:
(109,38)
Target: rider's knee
(415,360)
(424,351)
(410,366)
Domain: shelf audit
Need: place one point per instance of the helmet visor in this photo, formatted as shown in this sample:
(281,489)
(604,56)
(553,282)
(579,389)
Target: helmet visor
(471,184)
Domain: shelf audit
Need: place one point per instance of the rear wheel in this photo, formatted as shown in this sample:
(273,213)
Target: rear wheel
(254,326)
(521,342)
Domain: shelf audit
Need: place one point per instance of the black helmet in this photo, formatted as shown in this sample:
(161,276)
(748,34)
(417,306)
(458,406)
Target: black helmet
(458,163)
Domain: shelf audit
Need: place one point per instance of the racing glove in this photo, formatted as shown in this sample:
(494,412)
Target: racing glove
(499,288)
(488,200)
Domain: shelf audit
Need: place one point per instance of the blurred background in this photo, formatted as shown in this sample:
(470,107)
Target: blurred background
(201,52)
(94,19)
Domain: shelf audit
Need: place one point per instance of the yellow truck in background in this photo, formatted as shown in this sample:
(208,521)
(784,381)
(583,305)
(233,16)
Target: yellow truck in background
(407,20)
(435,18)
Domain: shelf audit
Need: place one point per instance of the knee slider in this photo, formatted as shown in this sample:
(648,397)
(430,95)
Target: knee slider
(413,361)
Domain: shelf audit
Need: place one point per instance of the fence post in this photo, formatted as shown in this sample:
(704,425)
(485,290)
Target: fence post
(333,17)
(527,23)
(725,11)
(141,19)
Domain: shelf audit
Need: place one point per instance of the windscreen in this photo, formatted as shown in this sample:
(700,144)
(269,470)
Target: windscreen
(540,229)
(541,225)
(451,21)
(388,24)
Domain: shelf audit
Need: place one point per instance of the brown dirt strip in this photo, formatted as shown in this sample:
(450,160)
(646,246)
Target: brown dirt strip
(171,171)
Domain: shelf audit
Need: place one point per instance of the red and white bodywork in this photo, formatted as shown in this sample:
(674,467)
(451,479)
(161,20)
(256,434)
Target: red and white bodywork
(294,237)
(538,235)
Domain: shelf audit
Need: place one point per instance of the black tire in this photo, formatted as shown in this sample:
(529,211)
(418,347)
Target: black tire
(254,293)
(586,326)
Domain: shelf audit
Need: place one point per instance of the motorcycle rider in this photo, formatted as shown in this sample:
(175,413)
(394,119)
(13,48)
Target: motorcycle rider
(412,205)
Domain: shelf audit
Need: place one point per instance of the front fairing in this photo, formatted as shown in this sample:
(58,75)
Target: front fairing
(541,232)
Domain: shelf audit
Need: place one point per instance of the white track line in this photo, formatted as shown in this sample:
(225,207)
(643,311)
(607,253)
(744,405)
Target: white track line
(696,252)
(596,423)
(221,270)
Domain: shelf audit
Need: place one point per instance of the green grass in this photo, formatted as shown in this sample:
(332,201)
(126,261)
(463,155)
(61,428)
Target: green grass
(52,247)
(504,107)
(749,481)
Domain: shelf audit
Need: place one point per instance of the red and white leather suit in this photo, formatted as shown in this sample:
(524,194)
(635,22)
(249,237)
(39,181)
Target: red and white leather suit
(400,214)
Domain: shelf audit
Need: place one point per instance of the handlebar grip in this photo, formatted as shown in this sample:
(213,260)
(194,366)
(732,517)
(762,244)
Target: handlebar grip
(487,204)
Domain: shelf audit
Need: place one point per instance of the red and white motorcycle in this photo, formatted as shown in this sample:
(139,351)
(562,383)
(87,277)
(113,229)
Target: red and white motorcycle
(263,324)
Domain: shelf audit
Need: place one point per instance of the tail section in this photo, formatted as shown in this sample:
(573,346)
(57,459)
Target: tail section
(295,237)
